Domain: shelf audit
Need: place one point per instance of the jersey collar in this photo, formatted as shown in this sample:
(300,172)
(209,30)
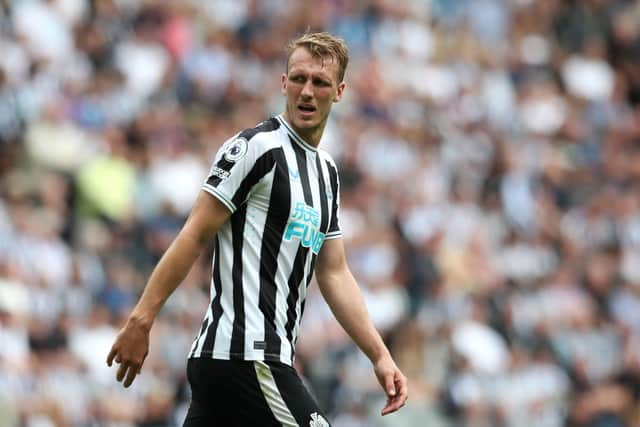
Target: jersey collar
(294,135)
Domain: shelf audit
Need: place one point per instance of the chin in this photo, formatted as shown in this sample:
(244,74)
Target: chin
(306,124)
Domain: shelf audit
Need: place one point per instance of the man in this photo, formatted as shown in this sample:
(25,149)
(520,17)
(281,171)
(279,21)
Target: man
(271,203)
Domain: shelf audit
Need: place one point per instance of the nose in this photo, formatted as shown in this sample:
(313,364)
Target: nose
(307,90)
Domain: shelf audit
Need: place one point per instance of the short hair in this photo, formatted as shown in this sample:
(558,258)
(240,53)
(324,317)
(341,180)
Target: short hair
(322,45)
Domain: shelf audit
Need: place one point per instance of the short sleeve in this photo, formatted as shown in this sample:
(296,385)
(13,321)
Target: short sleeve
(238,165)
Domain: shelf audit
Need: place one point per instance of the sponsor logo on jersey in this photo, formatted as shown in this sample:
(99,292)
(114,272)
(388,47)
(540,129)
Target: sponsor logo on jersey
(303,225)
(235,150)
(318,420)
(219,172)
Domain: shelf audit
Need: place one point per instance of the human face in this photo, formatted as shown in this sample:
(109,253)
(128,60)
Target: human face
(311,87)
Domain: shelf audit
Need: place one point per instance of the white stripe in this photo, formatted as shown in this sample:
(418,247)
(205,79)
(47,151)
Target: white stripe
(286,258)
(302,296)
(222,344)
(272,395)
(257,210)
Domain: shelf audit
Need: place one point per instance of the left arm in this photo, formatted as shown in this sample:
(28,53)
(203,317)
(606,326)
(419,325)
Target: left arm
(342,294)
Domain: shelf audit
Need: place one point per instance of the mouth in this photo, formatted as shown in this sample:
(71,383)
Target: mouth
(306,109)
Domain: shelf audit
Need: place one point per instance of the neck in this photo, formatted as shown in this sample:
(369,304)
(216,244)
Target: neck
(311,135)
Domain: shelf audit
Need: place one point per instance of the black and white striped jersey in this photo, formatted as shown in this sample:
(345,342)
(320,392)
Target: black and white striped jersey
(284,197)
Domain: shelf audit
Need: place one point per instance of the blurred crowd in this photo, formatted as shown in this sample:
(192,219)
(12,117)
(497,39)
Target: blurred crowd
(490,201)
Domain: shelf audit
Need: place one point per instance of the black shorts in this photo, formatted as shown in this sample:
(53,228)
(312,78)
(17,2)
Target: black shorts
(245,393)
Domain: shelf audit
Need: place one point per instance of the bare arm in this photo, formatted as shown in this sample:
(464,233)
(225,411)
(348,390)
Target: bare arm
(132,343)
(340,290)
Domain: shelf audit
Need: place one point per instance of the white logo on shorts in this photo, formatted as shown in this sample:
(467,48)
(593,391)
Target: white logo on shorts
(318,421)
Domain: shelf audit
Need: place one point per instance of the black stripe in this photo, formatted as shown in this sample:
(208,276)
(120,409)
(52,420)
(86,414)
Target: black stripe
(297,274)
(205,323)
(333,177)
(301,161)
(266,126)
(238,220)
(261,167)
(276,221)
(216,307)
(324,202)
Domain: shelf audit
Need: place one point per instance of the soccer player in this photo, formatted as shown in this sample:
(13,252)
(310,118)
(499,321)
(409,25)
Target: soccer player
(271,204)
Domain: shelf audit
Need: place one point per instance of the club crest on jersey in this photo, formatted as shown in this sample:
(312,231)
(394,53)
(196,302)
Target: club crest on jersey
(235,150)
(318,420)
(303,225)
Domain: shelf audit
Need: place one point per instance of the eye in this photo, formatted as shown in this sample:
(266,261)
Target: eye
(321,82)
(297,78)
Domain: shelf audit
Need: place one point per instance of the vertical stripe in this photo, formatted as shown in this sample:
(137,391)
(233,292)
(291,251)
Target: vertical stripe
(301,162)
(273,396)
(333,178)
(237,337)
(297,273)
(205,323)
(324,201)
(301,300)
(254,230)
(216,307)
(325,212)
(261,167)
(277,217)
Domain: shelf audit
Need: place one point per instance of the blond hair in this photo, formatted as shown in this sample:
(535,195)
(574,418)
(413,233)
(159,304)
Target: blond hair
(322,45)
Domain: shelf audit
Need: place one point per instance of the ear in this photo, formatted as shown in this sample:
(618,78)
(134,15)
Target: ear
(339,92)
(283,84)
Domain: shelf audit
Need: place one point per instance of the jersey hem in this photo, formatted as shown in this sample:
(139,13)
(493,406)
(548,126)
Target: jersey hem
(247,357)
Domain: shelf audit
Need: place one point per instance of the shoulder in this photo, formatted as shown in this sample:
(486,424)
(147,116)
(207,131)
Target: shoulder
(258,139)
(266,127)
(263,136)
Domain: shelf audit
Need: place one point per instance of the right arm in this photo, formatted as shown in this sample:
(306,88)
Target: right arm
(132,343)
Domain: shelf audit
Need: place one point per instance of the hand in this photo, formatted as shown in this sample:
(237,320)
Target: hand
(394,384)
(129,350)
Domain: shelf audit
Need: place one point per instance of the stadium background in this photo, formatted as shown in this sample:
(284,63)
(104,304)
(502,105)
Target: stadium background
(490,200)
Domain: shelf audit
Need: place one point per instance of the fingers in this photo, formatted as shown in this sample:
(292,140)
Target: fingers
(398,399)
(111,355)
(122,371)
(393,404)
(131,375)
(389,386)
(127,373)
